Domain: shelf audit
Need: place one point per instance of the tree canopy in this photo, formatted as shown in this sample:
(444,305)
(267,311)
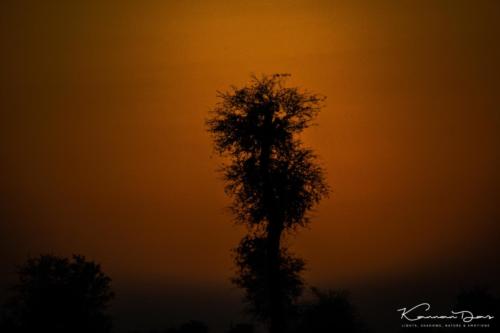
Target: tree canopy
(258,127)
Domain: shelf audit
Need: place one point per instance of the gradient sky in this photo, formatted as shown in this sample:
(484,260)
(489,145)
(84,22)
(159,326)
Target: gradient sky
(103,149)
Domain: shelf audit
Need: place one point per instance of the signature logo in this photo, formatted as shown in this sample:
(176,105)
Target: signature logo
(415,314)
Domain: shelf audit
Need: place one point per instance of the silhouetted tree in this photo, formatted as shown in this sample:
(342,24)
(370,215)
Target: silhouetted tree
(331,311)
(272,177)
(57,294)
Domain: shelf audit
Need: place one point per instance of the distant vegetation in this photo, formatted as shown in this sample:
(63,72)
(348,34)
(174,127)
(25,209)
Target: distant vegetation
(56,294)
(59,295)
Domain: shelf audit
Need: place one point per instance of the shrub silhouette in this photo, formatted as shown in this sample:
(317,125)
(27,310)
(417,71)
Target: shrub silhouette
(331,311)
(480,301)
(56,294)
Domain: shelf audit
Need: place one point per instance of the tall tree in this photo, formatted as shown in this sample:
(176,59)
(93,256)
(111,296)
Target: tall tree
(273,179)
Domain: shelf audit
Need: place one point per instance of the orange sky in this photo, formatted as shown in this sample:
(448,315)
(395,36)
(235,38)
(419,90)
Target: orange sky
(103,148)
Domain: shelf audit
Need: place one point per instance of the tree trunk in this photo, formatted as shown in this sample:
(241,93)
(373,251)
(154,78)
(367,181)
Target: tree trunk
(274,230)
(277,315)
